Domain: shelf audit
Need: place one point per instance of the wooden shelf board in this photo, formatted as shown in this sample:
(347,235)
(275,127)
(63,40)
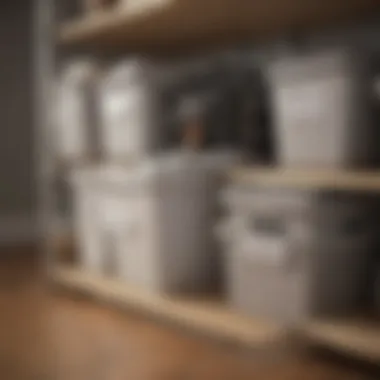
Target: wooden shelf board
(110,25)
(173,23)
(207,316)
(178,22)
(359,338)
(308,179)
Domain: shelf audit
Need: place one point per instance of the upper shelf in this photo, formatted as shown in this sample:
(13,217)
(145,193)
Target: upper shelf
(180,22)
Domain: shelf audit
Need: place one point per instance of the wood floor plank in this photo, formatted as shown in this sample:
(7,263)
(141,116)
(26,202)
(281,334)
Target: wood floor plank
(49,336)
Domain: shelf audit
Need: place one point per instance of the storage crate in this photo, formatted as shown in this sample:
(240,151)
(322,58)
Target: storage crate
(319,99)
(306,259)
(295,286)
(154,219)
(148,105)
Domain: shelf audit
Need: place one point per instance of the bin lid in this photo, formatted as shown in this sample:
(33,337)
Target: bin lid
(169,167)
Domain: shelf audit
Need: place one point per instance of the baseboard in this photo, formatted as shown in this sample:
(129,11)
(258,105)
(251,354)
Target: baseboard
(18,229)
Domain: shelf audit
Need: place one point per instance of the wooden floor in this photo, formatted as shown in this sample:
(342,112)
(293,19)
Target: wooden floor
(46,336)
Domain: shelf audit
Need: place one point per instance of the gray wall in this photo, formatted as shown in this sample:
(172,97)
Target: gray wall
(17,169)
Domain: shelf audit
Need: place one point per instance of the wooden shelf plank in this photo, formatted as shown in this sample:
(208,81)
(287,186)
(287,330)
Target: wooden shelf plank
(171,23)
(207,316)
(359,338)
(110,24)
(368,181)
(178,22)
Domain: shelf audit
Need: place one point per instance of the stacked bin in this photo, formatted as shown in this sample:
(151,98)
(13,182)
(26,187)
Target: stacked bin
(291,256)
(152,221)
(144,213)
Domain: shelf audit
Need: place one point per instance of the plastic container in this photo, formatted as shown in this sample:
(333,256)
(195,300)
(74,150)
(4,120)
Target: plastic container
(318,100)
(129,99)
(293,284)
(154,219)
(76,135)
(303,257)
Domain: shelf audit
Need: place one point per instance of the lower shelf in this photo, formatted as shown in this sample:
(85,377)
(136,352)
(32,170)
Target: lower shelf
(358,338)
(207,316)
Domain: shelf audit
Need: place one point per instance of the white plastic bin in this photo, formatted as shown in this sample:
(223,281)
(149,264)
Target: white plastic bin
(318,101)
(130,110)
(154,219)
(323,280)
(301,261)
(76,135)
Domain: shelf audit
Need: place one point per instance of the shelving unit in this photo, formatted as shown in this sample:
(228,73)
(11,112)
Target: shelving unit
(189,23)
